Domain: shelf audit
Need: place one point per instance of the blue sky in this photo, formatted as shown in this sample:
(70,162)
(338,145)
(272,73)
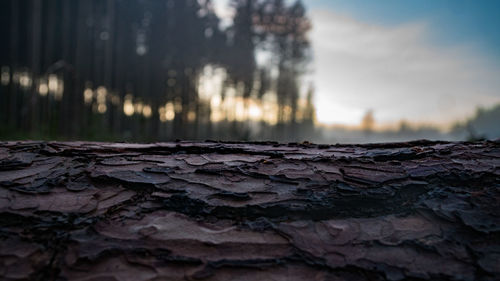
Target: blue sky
(453,21)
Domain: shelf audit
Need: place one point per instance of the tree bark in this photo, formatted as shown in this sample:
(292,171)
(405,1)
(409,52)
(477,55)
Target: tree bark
(249,211)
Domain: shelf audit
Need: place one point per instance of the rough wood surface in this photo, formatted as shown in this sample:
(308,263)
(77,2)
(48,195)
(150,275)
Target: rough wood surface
(249,211)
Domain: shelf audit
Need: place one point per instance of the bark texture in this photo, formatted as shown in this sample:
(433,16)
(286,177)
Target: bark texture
(249,211)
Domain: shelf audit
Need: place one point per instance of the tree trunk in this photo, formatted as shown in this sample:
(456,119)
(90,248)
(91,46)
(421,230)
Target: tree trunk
(36,47)
(249,211)
(13,112)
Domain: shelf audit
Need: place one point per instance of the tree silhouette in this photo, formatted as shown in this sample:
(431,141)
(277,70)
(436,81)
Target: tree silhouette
(287,28)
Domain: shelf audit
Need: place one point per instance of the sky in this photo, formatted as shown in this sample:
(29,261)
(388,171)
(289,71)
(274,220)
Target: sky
(423,61)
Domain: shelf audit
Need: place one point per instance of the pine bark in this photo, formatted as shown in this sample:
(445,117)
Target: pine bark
(249,211)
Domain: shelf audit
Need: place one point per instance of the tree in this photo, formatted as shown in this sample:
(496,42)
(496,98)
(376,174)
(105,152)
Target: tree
(368,122)
(242,35)
(287,28)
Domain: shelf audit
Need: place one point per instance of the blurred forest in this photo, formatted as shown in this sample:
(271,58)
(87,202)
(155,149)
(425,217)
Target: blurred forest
(159,70)
(154,70)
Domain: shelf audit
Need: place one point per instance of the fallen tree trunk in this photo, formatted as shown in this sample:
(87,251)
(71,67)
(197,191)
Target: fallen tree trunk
(249,211)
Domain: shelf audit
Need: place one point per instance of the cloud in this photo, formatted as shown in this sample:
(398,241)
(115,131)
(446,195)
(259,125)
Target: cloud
(398,71)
